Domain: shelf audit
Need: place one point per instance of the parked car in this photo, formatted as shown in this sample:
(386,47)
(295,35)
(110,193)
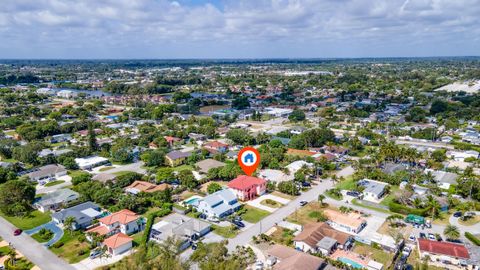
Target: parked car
(238,223)
(423,235)
(306,184)
(17,232)
(303,203)
(194,246)
(412,238)
(431,236)
(258,265)
(457,214)
(95,253)
(354,193)
(406,251)
(407,267)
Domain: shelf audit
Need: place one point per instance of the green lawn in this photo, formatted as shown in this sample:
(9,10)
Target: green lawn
(376,254)
(54,183)
(137,238)
(183,167)
(105,168)
(253,215)
(355,202)
(4,250)
(21,264)
(42,238)
(121,173)
(271,203)
(348,184)
(227,232)
(75,173)
(70,248)
(33,220)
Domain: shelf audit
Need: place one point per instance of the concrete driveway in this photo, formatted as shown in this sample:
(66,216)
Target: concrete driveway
(257,202)
(57,232)
(474,229)
(132,167)
(43,189)
(89,264)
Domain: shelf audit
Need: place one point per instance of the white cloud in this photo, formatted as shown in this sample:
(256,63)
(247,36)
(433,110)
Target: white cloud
(155,25)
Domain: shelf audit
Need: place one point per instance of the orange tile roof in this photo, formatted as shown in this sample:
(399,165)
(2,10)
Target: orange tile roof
(353,220)
(117,240)
(101,230)
(124,216)
(148,187)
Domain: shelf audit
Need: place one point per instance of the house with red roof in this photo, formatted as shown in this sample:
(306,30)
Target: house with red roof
(123,221)
(215,147)
(172,140)
(248,187)
(118,243)
(443,252)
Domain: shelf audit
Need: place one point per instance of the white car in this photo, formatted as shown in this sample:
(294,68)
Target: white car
(259,265)
(406,251)
(431,236)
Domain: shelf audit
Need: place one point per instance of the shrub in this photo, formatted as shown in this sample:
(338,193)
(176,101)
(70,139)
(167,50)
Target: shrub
(58,245)
(401,209)
(472,238)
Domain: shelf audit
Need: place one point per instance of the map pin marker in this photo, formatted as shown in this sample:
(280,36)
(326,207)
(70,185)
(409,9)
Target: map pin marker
(248,159)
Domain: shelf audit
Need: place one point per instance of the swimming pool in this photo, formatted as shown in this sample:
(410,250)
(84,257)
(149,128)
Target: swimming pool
(350,262)
(192,201)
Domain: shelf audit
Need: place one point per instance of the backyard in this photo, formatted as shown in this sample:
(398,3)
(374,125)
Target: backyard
(373,253)
(34,219)
(283,236)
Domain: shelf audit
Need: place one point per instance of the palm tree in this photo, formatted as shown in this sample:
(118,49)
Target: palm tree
(433,205)
(12,254)
(68,224)
(451,232)
(321,197)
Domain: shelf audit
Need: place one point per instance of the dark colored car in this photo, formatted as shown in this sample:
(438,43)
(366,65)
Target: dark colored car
(17,232)
(194,246)
(353,193)
(303,203)
(238,223)
(457,214)
(306,184)
(422,235)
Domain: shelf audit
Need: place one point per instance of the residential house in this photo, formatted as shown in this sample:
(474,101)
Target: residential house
(47,172)
(218,204)
(297,165)
(248,187)
(443,253)
(60,138)
(176,158)
(391,168)
(118,243)
(172,140)
(123,221)
(444,179)
(53,201)
(351,223)
(183,228)
(197,137)
(373,190)
(89,163)
(462,155)
(143,186)
(215,147)
(207,164)
(285,258)
(320,237)
(83,214)
(104,177)
(300,153)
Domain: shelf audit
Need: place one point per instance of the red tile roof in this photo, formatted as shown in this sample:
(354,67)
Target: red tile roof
(243,182)
(123,217)
(215,144)
(443,248)
(117,240)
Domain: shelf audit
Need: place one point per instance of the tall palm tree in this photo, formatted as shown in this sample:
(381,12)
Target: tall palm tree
(12,255)
(433,205)
(451,232)
(68,224)
(321,197)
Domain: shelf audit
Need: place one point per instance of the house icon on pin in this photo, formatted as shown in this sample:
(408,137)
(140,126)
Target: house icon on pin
(248,158)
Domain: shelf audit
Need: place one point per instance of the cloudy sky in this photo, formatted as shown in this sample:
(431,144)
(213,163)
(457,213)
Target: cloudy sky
(238,28)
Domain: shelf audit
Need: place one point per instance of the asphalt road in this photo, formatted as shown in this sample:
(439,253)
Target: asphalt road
(277,216)
(31,249)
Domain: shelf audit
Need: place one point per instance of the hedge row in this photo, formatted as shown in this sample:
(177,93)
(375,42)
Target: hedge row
(472,238)
(150,220)
(402,209)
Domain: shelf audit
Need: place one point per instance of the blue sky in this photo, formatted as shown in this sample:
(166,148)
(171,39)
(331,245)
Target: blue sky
(238,28)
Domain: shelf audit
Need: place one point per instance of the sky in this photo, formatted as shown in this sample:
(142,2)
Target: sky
(165,29)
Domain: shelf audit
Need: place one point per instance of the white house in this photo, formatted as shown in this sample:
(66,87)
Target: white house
(55,200)
(67,94)
(219,204)
(373,190)
(91,162)
(461,156)
(118,243)
(47,172)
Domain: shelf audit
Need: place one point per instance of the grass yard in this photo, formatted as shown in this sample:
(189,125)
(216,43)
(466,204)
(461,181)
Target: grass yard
(70,248)
(31,221)
(282,195)
(283,236)
(54,183)
(252,214)
(183,167)
(306,214)
(387,229)
(356,202)
(443,219)
(43,237)
(106,168)
(75,173)
(227,232)
(137,238)
(4,251)
(271,203)
(348,184)
(373,253)
(470,222)
(21,264)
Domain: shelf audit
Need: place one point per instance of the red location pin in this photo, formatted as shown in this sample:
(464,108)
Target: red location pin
(248,158)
